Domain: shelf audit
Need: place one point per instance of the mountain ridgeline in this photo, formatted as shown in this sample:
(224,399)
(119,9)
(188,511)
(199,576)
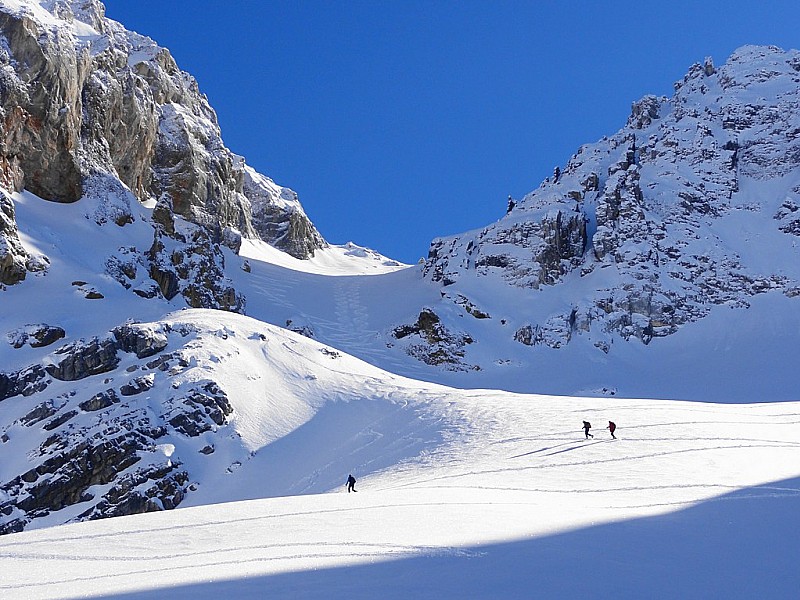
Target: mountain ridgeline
(91,109)
(653,213)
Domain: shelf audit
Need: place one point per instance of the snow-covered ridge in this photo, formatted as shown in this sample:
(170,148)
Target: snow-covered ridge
(173,409)
(662,220)
(333,260)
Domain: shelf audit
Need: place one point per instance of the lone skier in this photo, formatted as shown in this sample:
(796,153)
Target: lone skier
(611,427)
(511,204)
(351,484)
(586,427)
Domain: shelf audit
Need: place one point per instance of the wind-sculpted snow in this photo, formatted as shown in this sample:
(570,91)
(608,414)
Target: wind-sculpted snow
(151,414)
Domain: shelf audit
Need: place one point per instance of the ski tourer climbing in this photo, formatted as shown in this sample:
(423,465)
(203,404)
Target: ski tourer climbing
(351,484)
(586,427)
(611,427)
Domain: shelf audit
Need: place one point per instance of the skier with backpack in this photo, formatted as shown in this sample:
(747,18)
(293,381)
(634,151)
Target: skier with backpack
(351,484)
(611,427)
(586,427)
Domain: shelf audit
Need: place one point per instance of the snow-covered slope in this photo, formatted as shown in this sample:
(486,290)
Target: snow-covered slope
(102,418)
(654,282)
(478,494)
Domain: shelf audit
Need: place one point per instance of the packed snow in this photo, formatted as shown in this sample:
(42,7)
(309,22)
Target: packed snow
(477,493)
(474,479)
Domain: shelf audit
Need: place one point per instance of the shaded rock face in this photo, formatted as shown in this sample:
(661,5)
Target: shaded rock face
(191,262)
(75,104)
(641,216)
(82,359)
(184,260)
(36,336)
(105,448)
(13,256)
(429,341)
(524,253)
(278,217)
(15,261)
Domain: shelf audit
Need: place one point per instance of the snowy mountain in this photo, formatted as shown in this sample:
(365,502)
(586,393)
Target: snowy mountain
(460,494)
(692,205)
(175,333)
(93,110)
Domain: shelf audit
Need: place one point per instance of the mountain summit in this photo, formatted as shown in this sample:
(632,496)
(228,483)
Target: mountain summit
(693,204)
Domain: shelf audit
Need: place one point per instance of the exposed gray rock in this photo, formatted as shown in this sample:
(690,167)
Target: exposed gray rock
(41,101)
(192,263)
(279,218)
(79,116)
(15,261)
(526,252)
(25,382)
(429,341)
(100,401)
(142,341)
(205,407)
(36,335)
(82,359)
(137,385)
(301,328)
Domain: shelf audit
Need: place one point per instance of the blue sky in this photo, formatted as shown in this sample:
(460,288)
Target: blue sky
(397,122)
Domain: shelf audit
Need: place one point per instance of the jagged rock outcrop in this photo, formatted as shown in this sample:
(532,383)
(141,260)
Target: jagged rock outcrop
(81,98)
(428,340)
(36,336)
(642,216)
(96,450)
(191,262)
(524,252)
(278,217)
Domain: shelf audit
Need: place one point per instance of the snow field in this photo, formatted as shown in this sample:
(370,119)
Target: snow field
(457,490)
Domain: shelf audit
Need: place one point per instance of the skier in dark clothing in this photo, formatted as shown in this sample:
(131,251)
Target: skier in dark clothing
(556,174)
(611,427)
(351,484)
(511,204)
(586,427)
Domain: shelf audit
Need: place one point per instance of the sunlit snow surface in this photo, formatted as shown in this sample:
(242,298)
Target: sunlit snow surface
(476,494)
(461,493)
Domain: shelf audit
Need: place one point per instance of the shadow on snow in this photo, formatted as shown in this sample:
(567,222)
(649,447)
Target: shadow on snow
(738,545)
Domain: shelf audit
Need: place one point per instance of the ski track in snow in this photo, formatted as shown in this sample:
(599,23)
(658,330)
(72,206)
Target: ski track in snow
(442,473)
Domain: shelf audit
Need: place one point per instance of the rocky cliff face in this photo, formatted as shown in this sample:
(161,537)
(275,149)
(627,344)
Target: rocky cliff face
(649,217)
(15,261)
(82,98)
(99,420)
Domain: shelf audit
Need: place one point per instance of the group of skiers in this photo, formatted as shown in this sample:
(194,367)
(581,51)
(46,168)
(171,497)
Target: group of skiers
(587,426)
(351,481)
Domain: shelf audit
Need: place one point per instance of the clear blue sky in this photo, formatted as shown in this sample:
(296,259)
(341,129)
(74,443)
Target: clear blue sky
(397,122)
